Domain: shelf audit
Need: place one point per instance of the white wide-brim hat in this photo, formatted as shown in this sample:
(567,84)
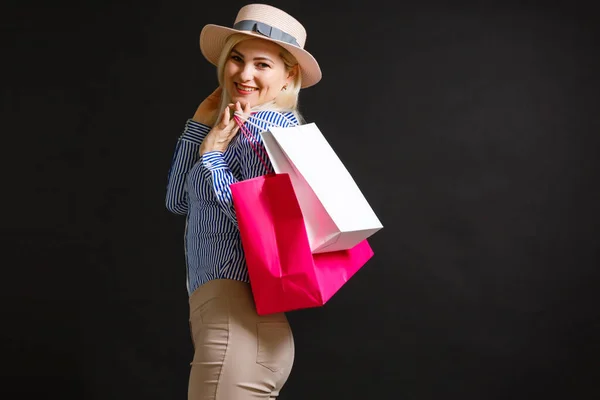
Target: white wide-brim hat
(269,23)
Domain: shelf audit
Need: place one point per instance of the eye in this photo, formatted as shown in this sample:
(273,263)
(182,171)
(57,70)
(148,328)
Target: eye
(237,58)
(263,65)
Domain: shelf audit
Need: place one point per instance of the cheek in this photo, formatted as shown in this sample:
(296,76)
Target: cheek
(272,85)
(227,72)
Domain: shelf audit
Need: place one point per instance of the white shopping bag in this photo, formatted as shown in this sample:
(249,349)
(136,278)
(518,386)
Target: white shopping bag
(336,213)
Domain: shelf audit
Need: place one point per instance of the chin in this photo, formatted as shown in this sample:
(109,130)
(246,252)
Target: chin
(244,99)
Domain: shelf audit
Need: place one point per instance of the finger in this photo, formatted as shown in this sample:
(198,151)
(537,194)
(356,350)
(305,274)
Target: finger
(247,110)
(234,126)
(237,121)
(227,128)
(225,119)
(240,112)
(231,108)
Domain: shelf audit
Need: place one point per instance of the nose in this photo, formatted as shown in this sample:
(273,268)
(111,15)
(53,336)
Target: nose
(246,74)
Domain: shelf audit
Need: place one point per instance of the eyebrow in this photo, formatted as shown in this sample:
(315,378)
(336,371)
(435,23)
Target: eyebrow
(255,58)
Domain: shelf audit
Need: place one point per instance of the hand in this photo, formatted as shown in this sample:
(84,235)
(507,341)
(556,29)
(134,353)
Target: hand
(225,130)
(206,113)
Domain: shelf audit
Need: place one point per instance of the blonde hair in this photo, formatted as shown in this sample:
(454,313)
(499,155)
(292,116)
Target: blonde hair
(286,100)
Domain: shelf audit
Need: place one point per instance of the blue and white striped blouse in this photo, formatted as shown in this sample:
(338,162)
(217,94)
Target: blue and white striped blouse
(198,187)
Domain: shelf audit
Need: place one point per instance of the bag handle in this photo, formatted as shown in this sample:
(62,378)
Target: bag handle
(246,133)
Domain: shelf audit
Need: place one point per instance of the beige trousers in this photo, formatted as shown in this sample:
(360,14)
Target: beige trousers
(238,355)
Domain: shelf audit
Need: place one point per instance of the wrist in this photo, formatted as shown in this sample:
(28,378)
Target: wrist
(206,148)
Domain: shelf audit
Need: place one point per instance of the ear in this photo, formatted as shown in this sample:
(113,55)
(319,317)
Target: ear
(291,74)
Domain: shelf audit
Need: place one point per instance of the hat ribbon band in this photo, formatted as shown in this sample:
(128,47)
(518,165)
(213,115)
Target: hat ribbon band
(265,30)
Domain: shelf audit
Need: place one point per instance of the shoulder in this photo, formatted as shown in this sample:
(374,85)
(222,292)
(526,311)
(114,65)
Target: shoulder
(266,118)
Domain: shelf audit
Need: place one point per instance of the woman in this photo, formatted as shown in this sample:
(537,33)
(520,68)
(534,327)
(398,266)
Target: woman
(261,67)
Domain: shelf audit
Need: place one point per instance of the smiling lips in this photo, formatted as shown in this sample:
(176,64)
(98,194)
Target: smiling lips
(245,90)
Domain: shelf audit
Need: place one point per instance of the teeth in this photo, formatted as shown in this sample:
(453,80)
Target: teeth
(246,89)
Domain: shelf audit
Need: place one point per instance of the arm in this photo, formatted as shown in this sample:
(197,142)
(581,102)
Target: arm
(184,158)
(219,174)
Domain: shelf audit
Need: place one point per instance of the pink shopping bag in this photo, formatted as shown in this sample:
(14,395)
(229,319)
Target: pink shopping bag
(284,274)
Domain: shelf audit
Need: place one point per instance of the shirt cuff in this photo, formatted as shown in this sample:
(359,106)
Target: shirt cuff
(195,132)
(213,160)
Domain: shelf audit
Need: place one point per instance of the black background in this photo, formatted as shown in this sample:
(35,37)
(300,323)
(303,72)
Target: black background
(471,127)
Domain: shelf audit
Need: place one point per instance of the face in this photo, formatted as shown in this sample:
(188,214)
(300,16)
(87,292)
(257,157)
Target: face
(255,72)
